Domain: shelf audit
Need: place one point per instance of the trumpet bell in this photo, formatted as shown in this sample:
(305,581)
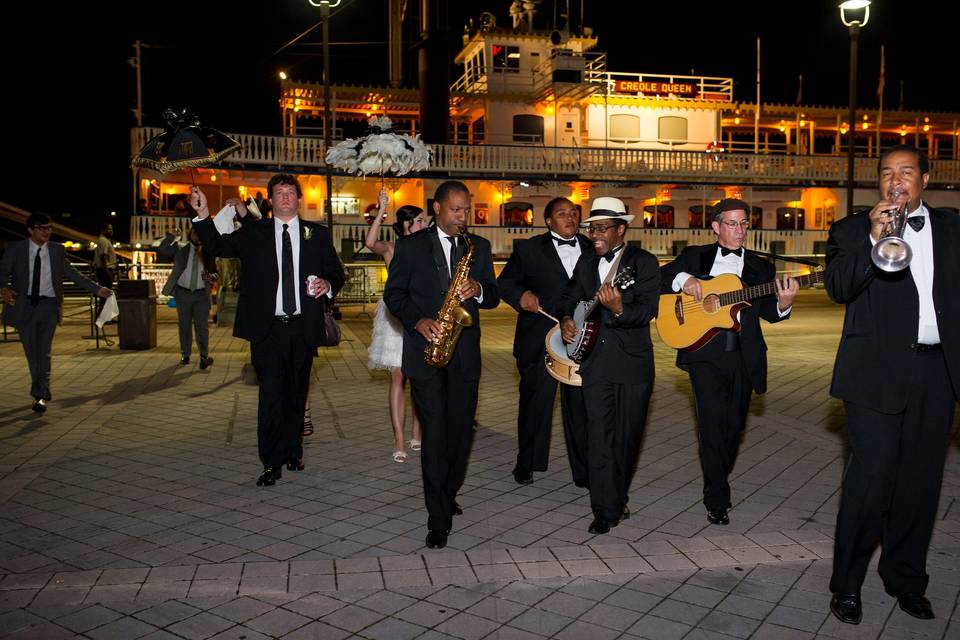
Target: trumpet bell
(891,254)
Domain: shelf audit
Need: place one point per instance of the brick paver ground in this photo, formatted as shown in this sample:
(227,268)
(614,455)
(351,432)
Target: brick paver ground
(129,510)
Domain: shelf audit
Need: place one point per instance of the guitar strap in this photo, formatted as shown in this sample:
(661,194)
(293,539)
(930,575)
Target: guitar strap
(613,266)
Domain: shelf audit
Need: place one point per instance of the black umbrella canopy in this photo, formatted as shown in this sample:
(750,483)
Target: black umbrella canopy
(185,143)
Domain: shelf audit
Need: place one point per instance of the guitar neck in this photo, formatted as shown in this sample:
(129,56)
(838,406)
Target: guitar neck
(766,289)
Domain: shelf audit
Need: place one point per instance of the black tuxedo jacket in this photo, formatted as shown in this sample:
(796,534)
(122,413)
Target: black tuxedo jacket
(623,352)
(876,357)
(698,261)
(255,245)
(417,283)
(535,266)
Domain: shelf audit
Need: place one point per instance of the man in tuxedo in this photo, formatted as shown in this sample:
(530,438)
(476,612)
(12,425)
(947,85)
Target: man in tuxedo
(898,374)
(31,282)
(446,398)
(535,278)
(288,269)
(733,363)
(618,373)
(194,271)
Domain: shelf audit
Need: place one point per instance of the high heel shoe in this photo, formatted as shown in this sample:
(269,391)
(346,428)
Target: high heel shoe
(415,445)
(399,456)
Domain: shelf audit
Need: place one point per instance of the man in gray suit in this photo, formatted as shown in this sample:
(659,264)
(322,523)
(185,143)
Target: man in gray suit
(31,282)
(189,284)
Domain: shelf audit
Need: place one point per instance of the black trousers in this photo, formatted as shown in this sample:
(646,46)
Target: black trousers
(538,390)
(193,314)
(36,329)
(616,415)
(891,484)
(446,405)
(722,391)
(283,362)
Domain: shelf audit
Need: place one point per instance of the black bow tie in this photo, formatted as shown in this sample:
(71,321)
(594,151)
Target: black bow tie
(916,222)
(610,255)
(561,241)
(737,252)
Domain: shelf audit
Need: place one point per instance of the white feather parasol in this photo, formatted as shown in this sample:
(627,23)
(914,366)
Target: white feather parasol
(380,152)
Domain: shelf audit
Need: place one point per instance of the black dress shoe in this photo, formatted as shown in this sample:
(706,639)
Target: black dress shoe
(269,477)
(846,607)
(718,516)
(437,539)
(626,513)
(295,464)
(523,477)
(916,605)
(600,526)
(39,405)
(205,362)
(456,509)
(184,360)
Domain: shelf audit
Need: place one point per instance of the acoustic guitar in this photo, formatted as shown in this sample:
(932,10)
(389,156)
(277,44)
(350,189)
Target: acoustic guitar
(684,323)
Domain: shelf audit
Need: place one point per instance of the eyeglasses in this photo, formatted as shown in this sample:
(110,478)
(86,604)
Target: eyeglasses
(600,228)
(733,224)
(43,227)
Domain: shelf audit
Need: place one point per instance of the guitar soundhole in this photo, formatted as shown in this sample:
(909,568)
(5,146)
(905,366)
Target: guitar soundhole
(711,303)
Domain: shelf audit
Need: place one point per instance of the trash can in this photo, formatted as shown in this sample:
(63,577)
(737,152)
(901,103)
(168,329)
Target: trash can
(137,323)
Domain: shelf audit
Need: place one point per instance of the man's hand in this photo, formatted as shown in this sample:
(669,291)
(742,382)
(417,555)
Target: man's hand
(529,301)
(692,288)
(199,202)
(880,216)
(428,328)
(568,329)
(238,205)
(469,289)
(207,277)
(609,296)
(103,292)
(317,287)
(9,296)
(786,292)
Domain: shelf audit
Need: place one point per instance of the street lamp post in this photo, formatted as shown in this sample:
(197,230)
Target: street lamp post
(325,6)
(854,14)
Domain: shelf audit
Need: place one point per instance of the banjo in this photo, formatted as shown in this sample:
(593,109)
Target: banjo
(563,360)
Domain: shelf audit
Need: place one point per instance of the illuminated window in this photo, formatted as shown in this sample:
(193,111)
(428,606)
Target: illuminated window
(658,215)
(624,127)
(505,59)
(790,217)
(516,214)
(672,130)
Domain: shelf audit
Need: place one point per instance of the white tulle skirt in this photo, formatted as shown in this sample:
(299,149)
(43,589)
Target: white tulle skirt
(386,342)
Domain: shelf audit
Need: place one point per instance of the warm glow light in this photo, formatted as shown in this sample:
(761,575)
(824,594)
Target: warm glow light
(803,123)
(865,125)
(736,121)
(113,214)
(866,117)
(139,246)
(313,193)
(782,128)
(855,5)
(903,133)
(283,75)
(213,177)
(926,128)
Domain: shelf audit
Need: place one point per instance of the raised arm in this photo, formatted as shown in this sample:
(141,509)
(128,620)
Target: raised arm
(372,241)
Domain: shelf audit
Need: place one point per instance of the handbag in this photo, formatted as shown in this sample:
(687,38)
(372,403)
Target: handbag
(331,328)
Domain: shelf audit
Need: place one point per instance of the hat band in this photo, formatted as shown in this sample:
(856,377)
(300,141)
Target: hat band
(606,212)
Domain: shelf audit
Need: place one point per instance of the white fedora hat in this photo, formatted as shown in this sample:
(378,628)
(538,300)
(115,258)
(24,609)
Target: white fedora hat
(606,208)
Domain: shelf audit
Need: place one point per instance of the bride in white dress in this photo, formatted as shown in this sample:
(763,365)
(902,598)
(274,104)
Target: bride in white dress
(386,342)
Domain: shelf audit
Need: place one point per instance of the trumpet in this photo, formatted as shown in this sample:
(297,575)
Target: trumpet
(892,253)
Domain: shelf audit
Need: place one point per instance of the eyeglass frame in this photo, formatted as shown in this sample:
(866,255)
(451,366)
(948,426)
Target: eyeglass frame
(593,228)
(733,224)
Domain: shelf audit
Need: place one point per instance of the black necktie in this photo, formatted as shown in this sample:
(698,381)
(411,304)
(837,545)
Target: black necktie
(916,222)
(561,241)
(738,252)
(288,291)
(35,285)
(453,254)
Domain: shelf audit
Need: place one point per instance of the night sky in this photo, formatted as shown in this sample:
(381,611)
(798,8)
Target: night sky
(68,89)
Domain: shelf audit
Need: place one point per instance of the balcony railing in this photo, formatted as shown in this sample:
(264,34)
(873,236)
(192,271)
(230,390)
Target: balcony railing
(584,163)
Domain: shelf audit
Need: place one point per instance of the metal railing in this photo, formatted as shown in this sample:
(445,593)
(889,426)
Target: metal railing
(584,163)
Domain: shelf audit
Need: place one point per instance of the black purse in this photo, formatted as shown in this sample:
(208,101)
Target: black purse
(331,328)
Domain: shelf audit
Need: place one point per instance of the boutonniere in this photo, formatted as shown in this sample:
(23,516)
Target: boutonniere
(307,233)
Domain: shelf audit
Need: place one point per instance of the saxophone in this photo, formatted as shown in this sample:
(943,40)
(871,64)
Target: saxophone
(452,316)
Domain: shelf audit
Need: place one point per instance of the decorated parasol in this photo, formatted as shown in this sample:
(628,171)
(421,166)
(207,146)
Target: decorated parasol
(380,152)
(185,143)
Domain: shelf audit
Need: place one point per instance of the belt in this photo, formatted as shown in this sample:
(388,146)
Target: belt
(287,319)
(926,348)
(191,290)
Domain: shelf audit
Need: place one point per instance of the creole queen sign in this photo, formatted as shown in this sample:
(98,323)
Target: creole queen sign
(685,89)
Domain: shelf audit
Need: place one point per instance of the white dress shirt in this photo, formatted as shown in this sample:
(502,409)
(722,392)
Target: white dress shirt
(293,228)
(46,279)
(568,255)
(446,245)
(730,263)
(184,279)
(921,268)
